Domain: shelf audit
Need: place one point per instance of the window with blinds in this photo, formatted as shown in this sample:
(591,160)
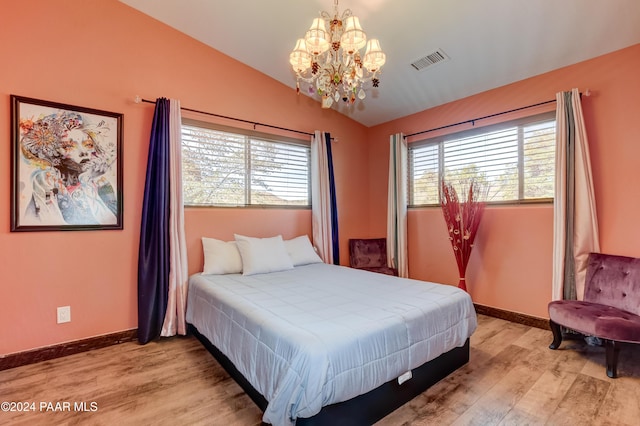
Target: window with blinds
(514,161)
(227,167)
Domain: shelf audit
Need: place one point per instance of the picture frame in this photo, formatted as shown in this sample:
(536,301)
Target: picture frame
(66,167)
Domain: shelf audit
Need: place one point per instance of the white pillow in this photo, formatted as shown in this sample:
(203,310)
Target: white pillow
(262,255)
(301,251)
(221,257)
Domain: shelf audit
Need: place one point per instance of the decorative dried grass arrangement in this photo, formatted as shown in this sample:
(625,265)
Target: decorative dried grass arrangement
(463,219)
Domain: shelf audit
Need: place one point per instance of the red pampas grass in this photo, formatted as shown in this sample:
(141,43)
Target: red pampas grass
(463,219)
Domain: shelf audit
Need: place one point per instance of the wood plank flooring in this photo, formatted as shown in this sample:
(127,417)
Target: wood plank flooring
(512,379)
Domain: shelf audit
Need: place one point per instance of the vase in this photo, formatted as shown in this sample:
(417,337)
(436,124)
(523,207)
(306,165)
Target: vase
(462,284)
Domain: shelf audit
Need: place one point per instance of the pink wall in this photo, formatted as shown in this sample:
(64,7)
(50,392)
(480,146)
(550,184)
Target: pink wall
(510,267)
(101,56)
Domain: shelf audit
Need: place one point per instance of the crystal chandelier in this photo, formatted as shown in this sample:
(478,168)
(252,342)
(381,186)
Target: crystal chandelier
(330,61)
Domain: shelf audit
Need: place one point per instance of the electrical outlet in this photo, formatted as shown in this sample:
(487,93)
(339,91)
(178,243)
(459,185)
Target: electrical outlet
(64,314)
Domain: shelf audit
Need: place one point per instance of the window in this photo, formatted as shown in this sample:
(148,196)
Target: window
(231,167)
(515,161)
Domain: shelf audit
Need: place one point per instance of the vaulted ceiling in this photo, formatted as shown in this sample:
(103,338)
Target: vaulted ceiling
(488,43)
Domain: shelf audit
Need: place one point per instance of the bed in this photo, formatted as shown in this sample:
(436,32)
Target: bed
(321,344)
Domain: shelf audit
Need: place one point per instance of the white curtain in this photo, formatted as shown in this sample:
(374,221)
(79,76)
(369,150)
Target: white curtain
(321,198)
(575,223)
(397,205)
(174,320)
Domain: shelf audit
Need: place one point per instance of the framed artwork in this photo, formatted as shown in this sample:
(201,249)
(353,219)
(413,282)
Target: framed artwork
(67,167)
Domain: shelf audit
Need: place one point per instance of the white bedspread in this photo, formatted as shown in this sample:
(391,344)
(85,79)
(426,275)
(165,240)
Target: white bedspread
(320,334)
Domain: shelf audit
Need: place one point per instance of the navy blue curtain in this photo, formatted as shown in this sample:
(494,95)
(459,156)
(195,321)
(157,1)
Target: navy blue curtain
(335,240)
(153,255)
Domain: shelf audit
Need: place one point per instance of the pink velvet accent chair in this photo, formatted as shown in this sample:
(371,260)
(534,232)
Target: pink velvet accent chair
(610,309)
(370,254)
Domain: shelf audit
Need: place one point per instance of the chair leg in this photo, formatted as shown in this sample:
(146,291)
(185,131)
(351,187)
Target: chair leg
(557,335)
(613,349)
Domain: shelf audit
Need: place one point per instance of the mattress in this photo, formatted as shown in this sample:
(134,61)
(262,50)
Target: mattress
(320,334)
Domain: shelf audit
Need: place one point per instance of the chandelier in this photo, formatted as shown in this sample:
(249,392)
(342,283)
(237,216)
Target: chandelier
(329,61)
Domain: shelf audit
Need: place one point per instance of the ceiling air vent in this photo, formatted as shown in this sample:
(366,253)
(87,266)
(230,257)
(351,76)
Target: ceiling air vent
(430,59)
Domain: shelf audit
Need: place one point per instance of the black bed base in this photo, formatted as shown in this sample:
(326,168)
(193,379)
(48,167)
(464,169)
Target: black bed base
(364,409)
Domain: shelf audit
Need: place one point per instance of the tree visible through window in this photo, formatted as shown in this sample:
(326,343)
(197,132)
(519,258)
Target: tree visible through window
(515,161)
(223,168)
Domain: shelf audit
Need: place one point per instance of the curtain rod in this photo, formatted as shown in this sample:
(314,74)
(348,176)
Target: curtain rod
(473,120)
(255,123)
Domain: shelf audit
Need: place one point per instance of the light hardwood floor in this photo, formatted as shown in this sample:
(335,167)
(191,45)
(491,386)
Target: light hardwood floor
(512,379)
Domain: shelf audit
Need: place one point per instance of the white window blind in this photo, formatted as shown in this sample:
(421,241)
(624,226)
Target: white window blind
(226,168)
(515,161)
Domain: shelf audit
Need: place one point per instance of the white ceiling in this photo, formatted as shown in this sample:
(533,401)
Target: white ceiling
(490,43)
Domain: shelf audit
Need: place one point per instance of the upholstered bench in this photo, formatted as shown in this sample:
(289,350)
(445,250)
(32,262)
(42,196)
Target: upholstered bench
(610,309)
